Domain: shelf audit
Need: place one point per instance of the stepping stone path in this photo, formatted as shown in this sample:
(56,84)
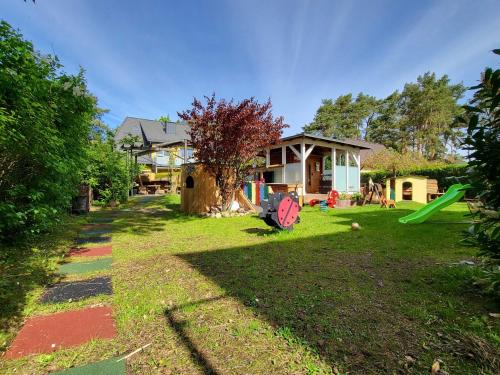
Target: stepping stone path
(108,367)
(94,226)
(90,252)
(45,334)
(81,240)
(77,290)
(84,267)
(100,220)
(95,232)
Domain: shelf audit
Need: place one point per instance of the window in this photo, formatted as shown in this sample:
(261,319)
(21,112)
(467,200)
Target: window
(189,182)
(275,156)
(290,155)
(268,177)
(340,158)
(182,153)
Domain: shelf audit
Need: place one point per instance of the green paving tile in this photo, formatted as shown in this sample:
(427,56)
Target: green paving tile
(84,267)
(106,367)
(94,232)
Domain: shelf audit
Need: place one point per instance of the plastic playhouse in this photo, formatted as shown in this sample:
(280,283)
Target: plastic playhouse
(412,188)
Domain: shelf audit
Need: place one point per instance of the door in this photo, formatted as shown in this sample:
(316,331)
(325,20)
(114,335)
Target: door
(314,168)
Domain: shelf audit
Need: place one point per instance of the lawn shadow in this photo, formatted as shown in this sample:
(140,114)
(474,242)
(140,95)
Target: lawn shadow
(178,326)
(347,295)
(260,231)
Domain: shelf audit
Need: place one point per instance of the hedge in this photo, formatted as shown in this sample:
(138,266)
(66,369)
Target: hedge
(442,174)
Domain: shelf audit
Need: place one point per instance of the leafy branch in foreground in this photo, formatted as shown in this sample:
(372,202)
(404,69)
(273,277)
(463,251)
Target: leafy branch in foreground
(483,142)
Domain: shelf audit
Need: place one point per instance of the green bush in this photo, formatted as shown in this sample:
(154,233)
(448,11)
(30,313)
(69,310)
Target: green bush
(483,142)
(443,174)
(45,120)
(108,172)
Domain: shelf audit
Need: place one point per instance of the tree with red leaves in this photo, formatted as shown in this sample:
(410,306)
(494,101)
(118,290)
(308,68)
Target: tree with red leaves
(226,137)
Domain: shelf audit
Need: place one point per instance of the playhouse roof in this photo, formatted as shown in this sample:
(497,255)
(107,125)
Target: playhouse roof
(346,142)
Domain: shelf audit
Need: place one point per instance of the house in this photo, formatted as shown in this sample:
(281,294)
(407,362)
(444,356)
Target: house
(303,162)
(161,146)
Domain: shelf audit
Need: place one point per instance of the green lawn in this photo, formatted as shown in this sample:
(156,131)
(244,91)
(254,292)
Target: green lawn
(231,296)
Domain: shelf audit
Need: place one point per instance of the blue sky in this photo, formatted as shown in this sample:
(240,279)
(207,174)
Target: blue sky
(148,58)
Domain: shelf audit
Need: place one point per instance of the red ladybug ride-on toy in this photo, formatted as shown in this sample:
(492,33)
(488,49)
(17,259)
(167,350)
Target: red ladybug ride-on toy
(281,210)
(331,200)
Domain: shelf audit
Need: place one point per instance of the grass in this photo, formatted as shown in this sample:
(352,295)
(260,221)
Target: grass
(232,296)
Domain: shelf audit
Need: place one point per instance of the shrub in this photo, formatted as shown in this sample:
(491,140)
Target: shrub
(483,141)
(45,120)
(108,172)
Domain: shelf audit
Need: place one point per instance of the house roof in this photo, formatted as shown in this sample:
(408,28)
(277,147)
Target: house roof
(152,132)
(346,142)
(371,148)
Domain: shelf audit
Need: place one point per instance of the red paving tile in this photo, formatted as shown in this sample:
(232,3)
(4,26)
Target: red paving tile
(96,226)
(45,334)
(90,252)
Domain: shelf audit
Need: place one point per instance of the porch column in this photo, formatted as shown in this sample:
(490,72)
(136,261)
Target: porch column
(357,159)
(283,161)
(185,151)
(303,166)
(268,157)
(334,162)
(346,170)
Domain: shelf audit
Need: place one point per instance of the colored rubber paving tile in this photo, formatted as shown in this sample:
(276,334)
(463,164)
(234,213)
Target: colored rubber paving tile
(45,334)
(107,367)
(97,226)
(90,251)
(77,290)
(102,239)
(94,232)
(84,267)
(100,220)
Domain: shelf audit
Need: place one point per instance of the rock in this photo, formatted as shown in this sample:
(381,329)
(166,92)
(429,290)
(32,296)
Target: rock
(409,359)
(467,262)
(218,215)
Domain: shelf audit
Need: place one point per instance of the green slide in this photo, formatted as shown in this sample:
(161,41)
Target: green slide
(453,194)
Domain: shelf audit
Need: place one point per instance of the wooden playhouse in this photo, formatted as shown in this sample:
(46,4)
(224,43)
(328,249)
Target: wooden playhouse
(412,188)
(199,192)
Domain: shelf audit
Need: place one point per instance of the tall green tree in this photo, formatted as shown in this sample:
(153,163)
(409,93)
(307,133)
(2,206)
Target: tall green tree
(429,107)
(385,128)
(420,119)
(345,117)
